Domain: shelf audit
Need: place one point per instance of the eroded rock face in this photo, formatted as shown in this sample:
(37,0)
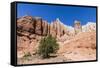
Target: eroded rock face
(25,24)
(73,45)
(28,25)
(30,30)
(45,27)
(57,29)
(38,25)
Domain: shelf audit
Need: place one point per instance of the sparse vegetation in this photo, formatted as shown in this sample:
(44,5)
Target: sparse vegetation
(27,55)
(47,46)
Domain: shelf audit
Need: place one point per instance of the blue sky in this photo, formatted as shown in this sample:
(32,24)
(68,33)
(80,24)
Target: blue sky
(66,14)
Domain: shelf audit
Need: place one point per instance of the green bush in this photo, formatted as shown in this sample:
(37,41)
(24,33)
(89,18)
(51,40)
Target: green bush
(27,56)
(47,46)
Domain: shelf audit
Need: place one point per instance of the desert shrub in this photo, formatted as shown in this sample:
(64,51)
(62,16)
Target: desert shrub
(47,46)
(27,56)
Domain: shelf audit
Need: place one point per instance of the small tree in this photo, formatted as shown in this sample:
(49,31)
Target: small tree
(47,46)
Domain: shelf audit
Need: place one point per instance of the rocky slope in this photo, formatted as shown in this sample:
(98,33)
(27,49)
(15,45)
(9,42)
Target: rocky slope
(78,48)
(31,29)
(72,40)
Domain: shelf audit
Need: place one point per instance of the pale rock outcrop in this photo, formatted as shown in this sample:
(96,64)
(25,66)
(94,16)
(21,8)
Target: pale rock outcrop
(77,27)
(89,27)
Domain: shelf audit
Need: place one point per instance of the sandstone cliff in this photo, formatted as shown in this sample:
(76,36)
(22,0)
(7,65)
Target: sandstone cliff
(30,30)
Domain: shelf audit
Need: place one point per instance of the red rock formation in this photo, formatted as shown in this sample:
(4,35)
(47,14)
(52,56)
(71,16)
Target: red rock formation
(25,23)
(57,28)
(45,27)
(38,25)
(30,30)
